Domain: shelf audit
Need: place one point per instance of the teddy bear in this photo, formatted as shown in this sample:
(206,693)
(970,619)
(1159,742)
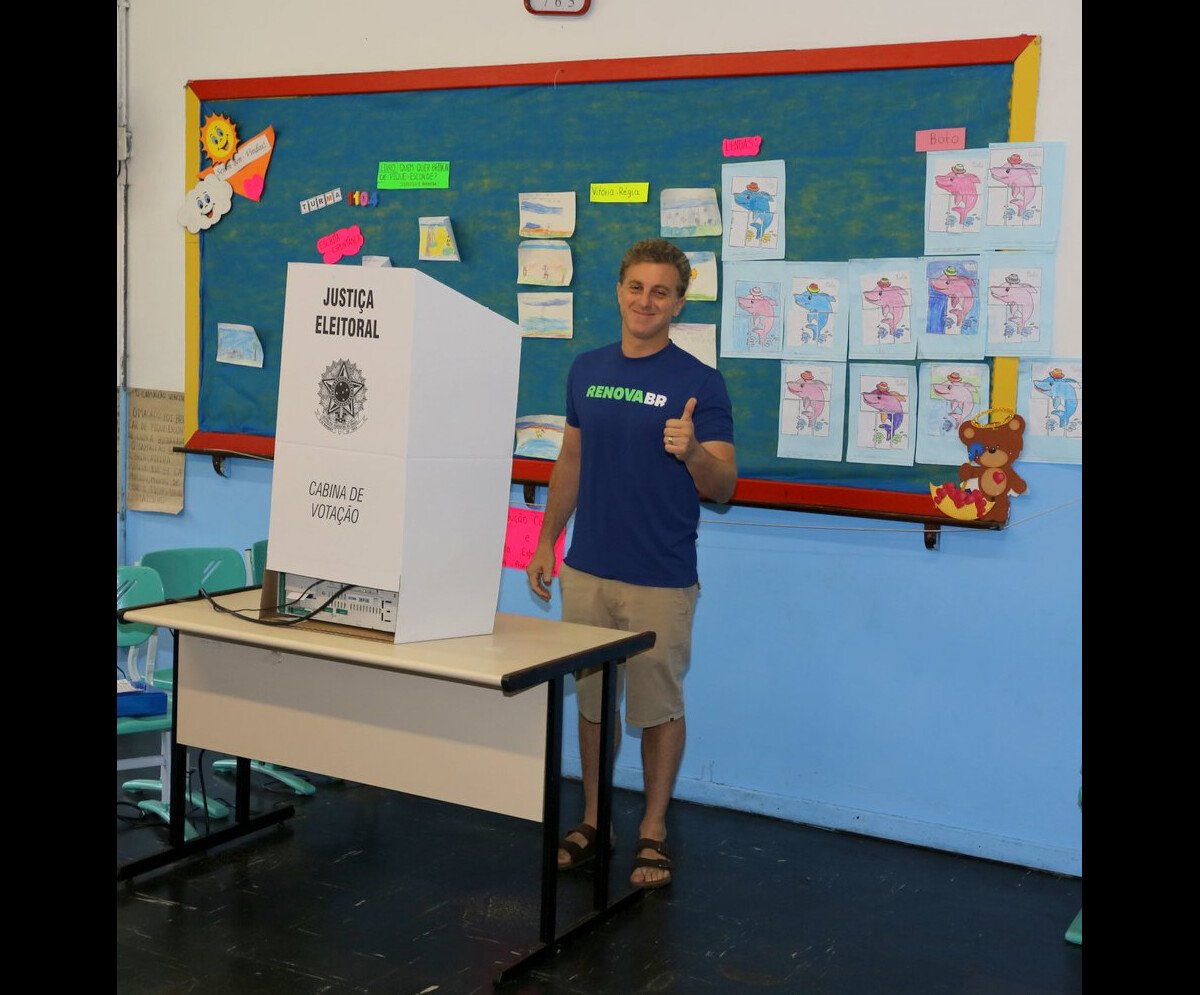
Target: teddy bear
(992,450)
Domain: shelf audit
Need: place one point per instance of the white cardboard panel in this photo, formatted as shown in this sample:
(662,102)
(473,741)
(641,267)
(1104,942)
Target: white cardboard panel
(368,488)
(381,366)
(467,361)
(454,554)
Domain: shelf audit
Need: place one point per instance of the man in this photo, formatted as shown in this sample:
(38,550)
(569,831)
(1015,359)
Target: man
(649,429)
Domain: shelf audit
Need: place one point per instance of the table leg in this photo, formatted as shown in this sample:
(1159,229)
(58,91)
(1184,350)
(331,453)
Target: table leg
(604,795)
(178,847)
(551,808)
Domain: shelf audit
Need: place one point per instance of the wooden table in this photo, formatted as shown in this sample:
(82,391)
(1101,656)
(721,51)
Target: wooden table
(433,718)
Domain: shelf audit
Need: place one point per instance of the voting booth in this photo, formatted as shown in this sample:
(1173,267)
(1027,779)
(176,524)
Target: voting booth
(393,453)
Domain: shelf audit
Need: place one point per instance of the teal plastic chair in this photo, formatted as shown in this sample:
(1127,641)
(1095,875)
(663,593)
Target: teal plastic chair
(187,569)
(184,571)
(258,562)
(139,585)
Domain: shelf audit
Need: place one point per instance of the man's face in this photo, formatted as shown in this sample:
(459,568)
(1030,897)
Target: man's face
(649,299)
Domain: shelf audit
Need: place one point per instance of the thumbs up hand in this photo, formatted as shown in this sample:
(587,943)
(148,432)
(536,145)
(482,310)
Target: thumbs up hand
(679,434)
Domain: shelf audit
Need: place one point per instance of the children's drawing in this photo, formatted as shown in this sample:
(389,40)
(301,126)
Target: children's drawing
(808,398)
(890,404)
(698,339)
(539,436)
(815,321)
(956,197)
(1024,195)
(437,240)
(960,398)
(757,323)
(1019,300)
(951,394)
(883,310)
(688,212)
(954,303)
(547,215)
(812,400)
(1050,397)
(1015,182)
(818,301)
(1058,398)
(753,198)
(955,200)
(886,307)
(1020,304)
(545,264)
(756,215)
(953,297)
(546,316)
(883,406)
(703,285)
(238,344)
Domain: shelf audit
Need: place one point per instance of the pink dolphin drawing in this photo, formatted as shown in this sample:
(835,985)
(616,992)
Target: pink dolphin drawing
(1018,298)
(963,188)
(958,395)
(1021,179)
(891,301)
(812,396)
(960,290)
(890,406)
(762,309)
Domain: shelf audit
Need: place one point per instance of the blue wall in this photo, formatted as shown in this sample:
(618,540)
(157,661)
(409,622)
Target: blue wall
(843,675)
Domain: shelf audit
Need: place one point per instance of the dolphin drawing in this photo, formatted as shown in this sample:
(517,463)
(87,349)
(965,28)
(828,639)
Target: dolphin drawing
(812,396)
(961,293)
(819,307)
(1021,179)
(889,405)
(958,396)
(761,308)
(1064,399)
(963,188)
(891,302)
(1019,302)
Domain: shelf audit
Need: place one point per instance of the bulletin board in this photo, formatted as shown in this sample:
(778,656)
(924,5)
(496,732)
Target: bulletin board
(843,120)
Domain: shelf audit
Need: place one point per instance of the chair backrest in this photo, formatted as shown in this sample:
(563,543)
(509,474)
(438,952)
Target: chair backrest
(138,585)
(187,569)
(258,561)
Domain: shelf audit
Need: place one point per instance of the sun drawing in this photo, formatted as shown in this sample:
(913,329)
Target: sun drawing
(218,136)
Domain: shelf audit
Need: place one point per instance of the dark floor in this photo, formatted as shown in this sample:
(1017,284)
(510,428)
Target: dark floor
(366,890)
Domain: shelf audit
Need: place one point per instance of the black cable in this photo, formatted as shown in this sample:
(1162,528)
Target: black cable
(259,620)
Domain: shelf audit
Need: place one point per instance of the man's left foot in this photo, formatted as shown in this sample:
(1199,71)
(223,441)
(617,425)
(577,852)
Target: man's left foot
(652,865)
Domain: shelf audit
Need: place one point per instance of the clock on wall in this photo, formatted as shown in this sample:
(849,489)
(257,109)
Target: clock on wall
(563,8)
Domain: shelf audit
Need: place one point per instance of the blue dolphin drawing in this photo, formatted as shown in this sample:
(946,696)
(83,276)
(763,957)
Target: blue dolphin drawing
(758,203)
(819,307)
(1064,399)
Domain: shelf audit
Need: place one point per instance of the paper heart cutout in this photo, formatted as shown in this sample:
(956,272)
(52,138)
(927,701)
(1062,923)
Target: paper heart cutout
(253,187)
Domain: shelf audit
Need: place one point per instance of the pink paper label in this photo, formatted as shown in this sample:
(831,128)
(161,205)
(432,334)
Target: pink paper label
(942,140)
(742,146)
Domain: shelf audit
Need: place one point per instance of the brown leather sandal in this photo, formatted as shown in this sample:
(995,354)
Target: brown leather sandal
(581,854)
(662,862)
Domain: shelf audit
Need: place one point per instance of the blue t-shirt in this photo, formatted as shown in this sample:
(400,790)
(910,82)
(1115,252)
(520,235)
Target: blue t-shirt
(637,511)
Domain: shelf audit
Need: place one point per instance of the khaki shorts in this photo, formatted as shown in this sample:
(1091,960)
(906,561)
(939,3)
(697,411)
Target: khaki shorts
(655,677)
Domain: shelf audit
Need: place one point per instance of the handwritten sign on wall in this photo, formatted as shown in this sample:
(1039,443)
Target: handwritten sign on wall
(521,536)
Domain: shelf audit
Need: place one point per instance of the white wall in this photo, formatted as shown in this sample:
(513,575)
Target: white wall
(171,43)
